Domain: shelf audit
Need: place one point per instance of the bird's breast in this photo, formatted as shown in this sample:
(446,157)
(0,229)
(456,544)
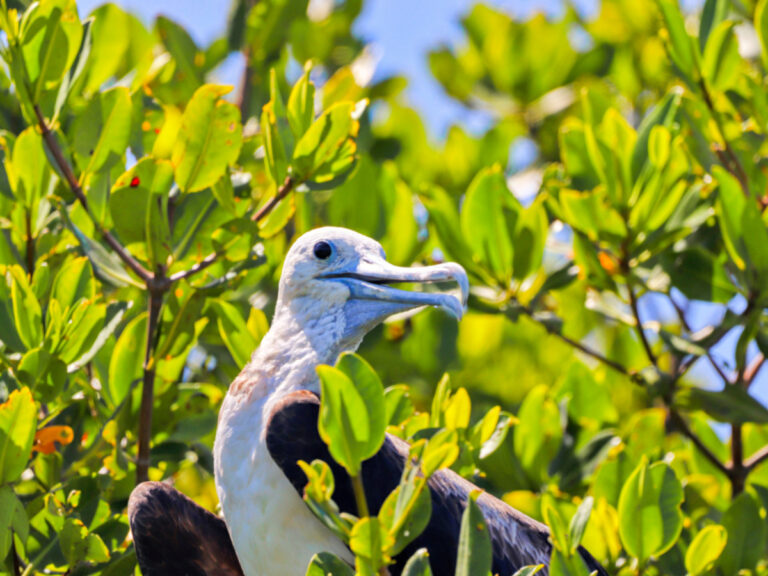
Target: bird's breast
(273,531)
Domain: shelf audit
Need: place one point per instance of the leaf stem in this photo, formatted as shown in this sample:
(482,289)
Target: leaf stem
(756,459)
(69,176)
(30,242)
(360,500)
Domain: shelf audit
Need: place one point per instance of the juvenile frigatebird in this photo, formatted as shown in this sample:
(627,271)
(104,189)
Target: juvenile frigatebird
(334,288)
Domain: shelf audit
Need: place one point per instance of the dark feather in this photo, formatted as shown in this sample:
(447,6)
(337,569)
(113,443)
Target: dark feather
(174,536)
(517,540)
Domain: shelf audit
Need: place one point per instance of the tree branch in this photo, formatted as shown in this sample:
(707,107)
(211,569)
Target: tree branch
(756,459)
(148,387)
(282,192)
(683,427)
(752,370)
(639,325)
(69,176)
(616,366)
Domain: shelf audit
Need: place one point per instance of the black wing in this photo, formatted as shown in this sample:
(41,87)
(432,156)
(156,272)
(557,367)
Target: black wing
(517,540)
(174,536)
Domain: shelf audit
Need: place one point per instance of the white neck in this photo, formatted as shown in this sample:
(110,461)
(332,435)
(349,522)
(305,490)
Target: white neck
(259,503)
(295,345)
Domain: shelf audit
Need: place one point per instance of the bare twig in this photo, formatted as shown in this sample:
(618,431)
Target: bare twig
(69,176)
(683,427)
(199,267)
(285,189)
(616,366)
(756,459)
(752,370)
(639,326)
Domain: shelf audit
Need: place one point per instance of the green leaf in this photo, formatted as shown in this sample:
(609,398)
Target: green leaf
(352,418)
(32,174)
(746,535)
(732,404)
(11,514)
(705,549)
(301,105)
(761,26)
(474,552)
(744,232)
(650,519)
(441,451)
(406,511)
(663,114)
(579,523)
(103,130)
(398,404)
(326,564)
(418,564)
(680,43)
(489,218)
(234,331)
(328,149)
(209,139)
(27,314)
(18,422)
(559,534)
(78,67)
(187,77)
(125,366)
(529,570)
(537,435)
(51,35)
(73,282)
(121,44)
(721,61)
(367,540)
(713,13)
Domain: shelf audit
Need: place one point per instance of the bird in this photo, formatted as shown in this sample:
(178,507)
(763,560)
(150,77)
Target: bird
(335,286)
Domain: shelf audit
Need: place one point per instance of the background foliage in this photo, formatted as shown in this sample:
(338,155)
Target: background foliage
(145,215)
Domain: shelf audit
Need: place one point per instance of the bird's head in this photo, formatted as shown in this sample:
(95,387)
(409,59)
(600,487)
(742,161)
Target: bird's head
(337,273)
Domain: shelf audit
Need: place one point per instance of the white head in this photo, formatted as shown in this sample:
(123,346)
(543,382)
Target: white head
(337,274)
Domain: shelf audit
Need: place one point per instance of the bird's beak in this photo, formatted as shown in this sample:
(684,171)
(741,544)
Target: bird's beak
(369,279)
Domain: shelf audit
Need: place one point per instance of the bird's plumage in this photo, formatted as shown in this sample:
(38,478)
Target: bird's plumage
(334,288)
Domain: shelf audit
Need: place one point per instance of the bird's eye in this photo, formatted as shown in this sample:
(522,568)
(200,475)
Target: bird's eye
(322,250)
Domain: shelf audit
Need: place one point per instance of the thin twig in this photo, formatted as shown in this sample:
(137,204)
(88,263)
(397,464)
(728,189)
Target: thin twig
(69,176)
(282,192)
(685,366)
(199,267)
(756,459)
(639,326)
(751,371)
(616,366)
(683,427)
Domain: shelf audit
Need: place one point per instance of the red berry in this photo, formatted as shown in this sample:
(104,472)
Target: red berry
(135,181)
